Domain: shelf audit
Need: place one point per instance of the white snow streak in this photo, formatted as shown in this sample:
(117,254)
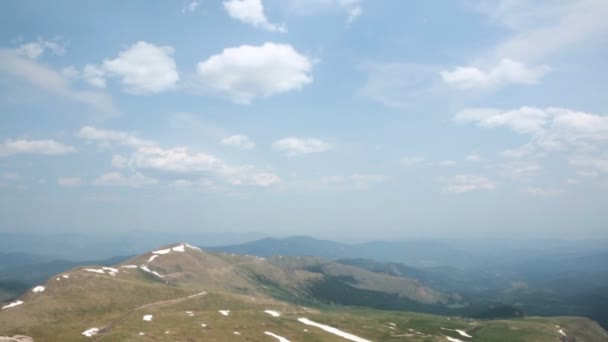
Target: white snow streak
(333,330)
(38,289)
(90,332)
(146,269)
(451,339)
(463,333)
(148,318)
(561,331)
(279,338)
(272,313)
(153,257)
(224,312)
(12,305)
(162,251)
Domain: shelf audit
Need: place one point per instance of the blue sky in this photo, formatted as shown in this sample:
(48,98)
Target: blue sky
(350,119)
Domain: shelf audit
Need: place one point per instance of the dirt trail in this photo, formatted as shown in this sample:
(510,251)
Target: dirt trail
(161,303)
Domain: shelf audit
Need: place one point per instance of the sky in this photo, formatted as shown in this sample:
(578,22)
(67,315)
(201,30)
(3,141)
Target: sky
(342,119)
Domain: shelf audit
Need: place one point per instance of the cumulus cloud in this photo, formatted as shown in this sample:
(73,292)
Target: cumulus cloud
(522,120)
(252,13)
(52,81)
(70,181)
(95,76)
(44,147)
(247,72)
(148,157)
(106,137)
(505,72)
(552,128)
(34,50)
(239,141)
(294,146)
(143,68)
(466,183)
(135,180)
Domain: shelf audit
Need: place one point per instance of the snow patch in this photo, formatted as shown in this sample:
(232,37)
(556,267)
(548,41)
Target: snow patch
(38,289)
(128,266)
(90,332)
(154,256)
(272,313)
(142,333)
(162,251)
(111,271)
(148,318)
(224,312)
(203,325)
(146,269)
(279,338)
(193,247)
(236,333)
(180,248)
(451,339)
(463,333)
(561,331)
(190,313)
(12,305)
(333,330)
(94,270)
(66,276)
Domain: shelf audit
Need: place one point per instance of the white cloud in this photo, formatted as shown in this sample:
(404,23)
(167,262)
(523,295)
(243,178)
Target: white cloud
(522,120)
(465,183)
(541,192)
(589,165)
(144,68)
(240,141)
(473,157)
(354,13)
(505,72)
(33,50)
(179,160)
(294,146)
(149,157)
(106,137)
(551,128)
(119,162)
(251,12)
(70,181)
(520,170)
(135,180)
(93,75)
(540,28)
(355,181)
(52,81)
(447,162)
(44,147)
(352,8)
(190,7)
(246,72)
